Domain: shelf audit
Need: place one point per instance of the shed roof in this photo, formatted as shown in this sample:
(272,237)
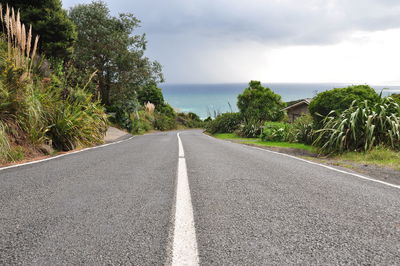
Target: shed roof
(304,101)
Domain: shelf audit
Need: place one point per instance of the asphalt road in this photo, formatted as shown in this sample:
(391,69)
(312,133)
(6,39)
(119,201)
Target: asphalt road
(116,205)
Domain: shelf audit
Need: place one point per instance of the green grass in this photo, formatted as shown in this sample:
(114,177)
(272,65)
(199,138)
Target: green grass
(378,156)
(284,145)
(258,142)
(228,136)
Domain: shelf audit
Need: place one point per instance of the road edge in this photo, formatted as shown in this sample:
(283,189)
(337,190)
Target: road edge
(64,154)
(314,163)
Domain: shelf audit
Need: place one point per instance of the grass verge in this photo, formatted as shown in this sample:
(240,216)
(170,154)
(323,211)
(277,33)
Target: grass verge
(378,156)
(258,142)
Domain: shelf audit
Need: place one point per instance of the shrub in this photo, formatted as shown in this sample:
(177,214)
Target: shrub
(276,131)
(123,111)
(396,98)
(249,129)
(166,109)
(224,123)
(302,129)
(78,123)
(340,99)
(141,122)
(360,128)
(163,122)
(4,144)
(258,103)
(190,120)
(208,119)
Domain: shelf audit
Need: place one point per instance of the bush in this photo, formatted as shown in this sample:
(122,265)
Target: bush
(78,123)
(141,122)
(250,129)
(340,99)
(123,111)
(4,144)
(190,120)
(163,122)
(166,109)
(260,104)
(276,131)
(302,129)
(224,123)
(396,98)
(360,128)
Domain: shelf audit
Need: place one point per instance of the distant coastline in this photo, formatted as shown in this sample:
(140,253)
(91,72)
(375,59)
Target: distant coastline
(204,99)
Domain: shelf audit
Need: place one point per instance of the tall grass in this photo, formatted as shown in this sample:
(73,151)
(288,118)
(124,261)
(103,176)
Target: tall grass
(360,128)
(19,39)
(38,109)
(78,122)
(4,144)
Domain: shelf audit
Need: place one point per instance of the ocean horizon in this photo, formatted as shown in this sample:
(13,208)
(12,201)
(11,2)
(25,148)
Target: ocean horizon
(207,99)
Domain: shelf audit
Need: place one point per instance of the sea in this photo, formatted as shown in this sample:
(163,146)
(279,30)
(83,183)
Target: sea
(209,99)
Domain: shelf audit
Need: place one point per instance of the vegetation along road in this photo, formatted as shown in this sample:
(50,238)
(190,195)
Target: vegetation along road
(189,199)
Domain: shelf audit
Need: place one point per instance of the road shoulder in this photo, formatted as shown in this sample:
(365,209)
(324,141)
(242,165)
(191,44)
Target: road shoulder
(380,173)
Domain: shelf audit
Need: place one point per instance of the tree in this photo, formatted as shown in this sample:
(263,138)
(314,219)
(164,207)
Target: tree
(340,99)
(105,44)
(49,21)
(150,93)
(258,104)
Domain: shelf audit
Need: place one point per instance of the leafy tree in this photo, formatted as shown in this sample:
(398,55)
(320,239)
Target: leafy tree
(340,99)
(48,19)
(105,44)
(194,117)
(167,110)
(150,93)
(258,103)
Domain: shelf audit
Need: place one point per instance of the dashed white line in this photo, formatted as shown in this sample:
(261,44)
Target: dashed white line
(184,247)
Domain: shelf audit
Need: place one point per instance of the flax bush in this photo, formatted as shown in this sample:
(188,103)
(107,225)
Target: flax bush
(360,128)
(302,130)
(78,122)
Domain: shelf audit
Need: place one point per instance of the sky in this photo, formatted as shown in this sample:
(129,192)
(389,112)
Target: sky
(291,41)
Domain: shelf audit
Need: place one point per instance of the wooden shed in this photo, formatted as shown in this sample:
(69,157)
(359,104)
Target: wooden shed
(297,109)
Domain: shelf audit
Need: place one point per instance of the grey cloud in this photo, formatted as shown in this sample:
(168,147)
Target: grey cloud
(184,35)
(274,21)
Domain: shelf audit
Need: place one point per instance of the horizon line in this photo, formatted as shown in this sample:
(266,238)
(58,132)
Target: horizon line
(266,83)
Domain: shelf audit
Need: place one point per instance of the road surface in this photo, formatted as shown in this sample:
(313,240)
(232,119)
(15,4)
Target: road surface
(145,201)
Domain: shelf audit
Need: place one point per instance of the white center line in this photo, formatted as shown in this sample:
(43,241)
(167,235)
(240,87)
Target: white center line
(184,250)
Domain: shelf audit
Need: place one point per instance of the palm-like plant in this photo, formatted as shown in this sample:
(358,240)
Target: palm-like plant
(360,128)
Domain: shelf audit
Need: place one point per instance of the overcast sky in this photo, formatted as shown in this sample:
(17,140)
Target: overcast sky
(219,41)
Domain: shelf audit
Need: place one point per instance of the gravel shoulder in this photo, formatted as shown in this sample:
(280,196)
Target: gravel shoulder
(114,134)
